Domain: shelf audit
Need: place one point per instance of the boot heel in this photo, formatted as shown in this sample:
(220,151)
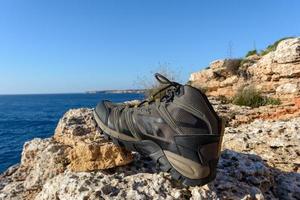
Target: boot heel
(198,159)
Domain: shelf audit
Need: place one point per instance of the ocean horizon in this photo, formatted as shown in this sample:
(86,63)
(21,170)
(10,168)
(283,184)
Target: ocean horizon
(28,116)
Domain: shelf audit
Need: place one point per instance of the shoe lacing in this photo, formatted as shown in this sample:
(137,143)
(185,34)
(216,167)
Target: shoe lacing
(171,88)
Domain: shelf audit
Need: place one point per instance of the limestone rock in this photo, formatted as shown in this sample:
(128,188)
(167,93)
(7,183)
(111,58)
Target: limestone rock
(89,150)
(259,161)
(216,64)
(288,51)
(76,125)
(225,67)
(276,142)
(288,88)
(89,157)
(291,70)
(254,57)
(39,155)
(5,177)
(229,81)
(202,76)
(265,64)
(236,115)
(77,145)
(266,73)
(239,175)
(41,160)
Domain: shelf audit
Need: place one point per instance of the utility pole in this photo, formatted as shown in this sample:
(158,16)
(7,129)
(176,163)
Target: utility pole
(230,49)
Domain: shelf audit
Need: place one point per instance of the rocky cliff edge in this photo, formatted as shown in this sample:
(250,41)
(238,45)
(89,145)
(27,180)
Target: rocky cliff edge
(260,160)
(277,73)
(260,157)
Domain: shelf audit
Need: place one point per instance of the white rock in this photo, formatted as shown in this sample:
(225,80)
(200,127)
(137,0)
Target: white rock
(288,88)
(288,51)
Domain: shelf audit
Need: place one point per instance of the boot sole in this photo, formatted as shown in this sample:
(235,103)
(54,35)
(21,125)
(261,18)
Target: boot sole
(178,166)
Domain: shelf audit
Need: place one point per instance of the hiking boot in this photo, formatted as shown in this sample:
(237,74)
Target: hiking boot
(179,130)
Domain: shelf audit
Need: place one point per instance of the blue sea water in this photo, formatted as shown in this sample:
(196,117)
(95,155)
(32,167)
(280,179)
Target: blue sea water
(24,117)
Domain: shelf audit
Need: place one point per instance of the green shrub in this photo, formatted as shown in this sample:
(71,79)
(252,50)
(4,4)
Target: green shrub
(273,101)
(273,46)
(249,96)
(252,52)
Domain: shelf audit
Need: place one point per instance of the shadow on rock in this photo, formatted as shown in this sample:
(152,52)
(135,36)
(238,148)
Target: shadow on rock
(247,176)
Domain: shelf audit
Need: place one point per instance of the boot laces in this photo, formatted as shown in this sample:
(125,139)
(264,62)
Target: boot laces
(170,87)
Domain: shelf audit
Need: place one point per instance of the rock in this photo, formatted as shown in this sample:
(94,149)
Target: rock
(254,57)
(92,156)
(6,178)
(288,51)
(216,64)
(76,125)
(264,65)
(78,145)
(39,155)
(237,115)
(225,67)
(202,76)
(218,69)
(229,81)
(268,72)
(291,70)
(276,142)
(251,177)
(287,185)
(140,180)
(240,176)
(259,161)
(288,88)
(89,150)
(41,160)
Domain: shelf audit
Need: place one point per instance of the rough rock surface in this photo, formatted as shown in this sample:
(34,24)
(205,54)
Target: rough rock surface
(77,145)
(89,150)
(141,180)
(41,160)
(288,51)
(278,143)
(259,160)
(235,115)
(276,73)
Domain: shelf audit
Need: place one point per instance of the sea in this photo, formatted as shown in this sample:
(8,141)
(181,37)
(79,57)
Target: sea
(24,117)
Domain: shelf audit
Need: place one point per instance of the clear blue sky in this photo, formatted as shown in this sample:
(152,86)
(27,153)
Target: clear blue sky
(59,46)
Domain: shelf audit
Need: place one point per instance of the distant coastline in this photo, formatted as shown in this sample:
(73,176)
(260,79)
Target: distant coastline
(129,91)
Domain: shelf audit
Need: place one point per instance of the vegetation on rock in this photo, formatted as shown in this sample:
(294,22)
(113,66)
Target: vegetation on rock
(277,73)
(251,52)
(249,96)
(273,46)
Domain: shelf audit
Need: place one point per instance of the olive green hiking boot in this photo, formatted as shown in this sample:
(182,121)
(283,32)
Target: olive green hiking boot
(180,131)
